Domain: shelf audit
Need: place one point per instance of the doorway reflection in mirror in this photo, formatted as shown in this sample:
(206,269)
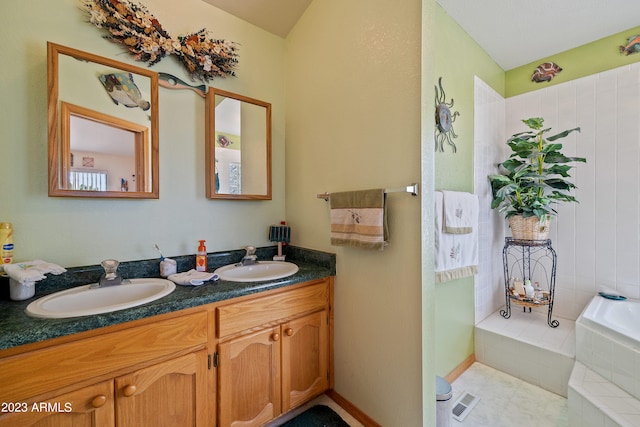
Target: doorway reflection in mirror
(112,151)
(238,150)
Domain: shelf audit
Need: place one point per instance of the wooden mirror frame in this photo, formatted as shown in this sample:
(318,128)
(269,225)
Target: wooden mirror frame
(210,146)
(59,134)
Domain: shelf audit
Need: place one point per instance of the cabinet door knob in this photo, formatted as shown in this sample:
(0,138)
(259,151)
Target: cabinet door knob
(99,401)
(129,390)
(275,337)
(288,331)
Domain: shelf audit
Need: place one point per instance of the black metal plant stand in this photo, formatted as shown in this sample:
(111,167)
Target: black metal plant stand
(534,260)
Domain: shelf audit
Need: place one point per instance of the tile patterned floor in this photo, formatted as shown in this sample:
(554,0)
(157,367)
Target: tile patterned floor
(506,401)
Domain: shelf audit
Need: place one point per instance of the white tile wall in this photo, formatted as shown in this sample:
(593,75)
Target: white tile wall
(614,360)
(597,240)
(525,347)
(594,401)
(488,131)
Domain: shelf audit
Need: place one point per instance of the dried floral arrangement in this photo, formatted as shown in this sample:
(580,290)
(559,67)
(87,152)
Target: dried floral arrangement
(134,27)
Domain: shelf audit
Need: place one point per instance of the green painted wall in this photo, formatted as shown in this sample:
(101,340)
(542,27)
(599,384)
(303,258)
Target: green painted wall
(591,58)
(457,59)
(76,231)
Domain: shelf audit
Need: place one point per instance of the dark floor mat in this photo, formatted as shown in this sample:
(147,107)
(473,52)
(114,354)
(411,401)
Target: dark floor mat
(317,416)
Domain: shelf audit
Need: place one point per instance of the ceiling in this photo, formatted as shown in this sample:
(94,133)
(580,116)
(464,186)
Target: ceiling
(517,32)
(275,16)
(512,32)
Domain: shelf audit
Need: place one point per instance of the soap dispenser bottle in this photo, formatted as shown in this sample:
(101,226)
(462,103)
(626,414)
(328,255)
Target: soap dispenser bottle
(528,289)
(201,257)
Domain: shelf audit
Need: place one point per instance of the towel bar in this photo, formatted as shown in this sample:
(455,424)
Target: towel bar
(413,189)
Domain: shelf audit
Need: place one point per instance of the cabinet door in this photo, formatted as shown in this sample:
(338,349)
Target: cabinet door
(90,406)
(169,394)
(249,379)
(305,351)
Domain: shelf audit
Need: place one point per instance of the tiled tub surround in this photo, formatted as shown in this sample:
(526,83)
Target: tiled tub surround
(604,388)
(525,347)
(19,329)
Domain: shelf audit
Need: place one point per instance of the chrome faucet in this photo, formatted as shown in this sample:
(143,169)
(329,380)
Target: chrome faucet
(111,277)
(250,257)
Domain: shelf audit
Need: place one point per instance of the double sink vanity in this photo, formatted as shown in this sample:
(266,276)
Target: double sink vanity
(239,351)
(225,353)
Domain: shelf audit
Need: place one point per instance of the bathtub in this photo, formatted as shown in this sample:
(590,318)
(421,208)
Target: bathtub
(621,319)
(608,341)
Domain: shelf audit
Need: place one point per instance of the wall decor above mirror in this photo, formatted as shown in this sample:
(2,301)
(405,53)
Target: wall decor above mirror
(238,147)
(103,126)
(131,25)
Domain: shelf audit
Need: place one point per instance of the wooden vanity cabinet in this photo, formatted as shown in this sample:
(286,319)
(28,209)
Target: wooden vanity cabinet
(91,406)
(240,362)
(150,375)
(172,393)
(305,354)
(275,356)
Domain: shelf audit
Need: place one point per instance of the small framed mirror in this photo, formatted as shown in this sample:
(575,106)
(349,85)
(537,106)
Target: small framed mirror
(238,147)
(103,126)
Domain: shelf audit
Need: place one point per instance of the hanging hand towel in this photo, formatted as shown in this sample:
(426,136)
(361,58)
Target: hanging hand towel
(456,255)
(358,219)
(460,211)
(31,271)
(192,278)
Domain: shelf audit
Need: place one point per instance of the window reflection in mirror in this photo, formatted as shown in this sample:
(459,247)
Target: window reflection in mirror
(103,126)
(238,154)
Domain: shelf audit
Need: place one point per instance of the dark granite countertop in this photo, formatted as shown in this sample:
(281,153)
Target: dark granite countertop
(16,328)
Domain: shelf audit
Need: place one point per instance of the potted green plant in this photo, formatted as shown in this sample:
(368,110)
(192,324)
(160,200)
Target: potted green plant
(533,180)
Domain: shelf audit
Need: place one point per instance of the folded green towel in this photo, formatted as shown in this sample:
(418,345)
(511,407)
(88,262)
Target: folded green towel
(358,219)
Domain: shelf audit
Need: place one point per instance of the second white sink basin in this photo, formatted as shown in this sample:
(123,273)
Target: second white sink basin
(263,270)
(84,301)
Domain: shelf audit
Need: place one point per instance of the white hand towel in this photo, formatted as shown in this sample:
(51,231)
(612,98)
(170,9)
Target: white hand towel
(31,271)
(192,278)
(460,211)
(456,255)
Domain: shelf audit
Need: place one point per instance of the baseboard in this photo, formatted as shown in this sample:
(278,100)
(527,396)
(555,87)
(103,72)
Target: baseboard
(352,409)
(459,370)
(368,421)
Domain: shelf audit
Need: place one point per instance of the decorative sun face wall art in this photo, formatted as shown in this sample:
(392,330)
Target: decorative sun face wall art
(444,120)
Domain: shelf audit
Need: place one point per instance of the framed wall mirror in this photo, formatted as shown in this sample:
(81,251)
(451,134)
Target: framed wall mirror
(238,147)
(103,126)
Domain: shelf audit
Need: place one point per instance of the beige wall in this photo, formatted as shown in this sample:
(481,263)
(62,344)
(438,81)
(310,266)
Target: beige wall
(76,232)
(353,122)
(355,108)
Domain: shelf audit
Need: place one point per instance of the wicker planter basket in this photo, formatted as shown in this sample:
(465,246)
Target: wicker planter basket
(529,228)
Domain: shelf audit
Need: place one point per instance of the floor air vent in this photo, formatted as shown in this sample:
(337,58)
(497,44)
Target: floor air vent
(464,405)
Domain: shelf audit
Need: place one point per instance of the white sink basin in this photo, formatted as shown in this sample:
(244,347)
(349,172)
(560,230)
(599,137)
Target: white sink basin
(263,270)
(83,301)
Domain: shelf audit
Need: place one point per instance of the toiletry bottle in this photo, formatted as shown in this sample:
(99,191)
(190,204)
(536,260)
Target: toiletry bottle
(528,289)
(518,286)
(538,294)
(6,243)
(201,257)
